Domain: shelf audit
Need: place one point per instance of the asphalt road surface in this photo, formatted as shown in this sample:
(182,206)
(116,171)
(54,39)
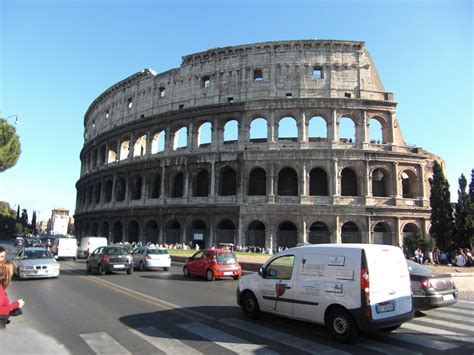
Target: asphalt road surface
(156,312)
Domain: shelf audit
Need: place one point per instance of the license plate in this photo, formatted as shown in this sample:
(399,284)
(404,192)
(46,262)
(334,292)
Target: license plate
(119,266)
(385,307)
(228,273)
(448,297)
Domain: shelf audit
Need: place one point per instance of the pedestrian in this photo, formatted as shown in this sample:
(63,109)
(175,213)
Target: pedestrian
(6,273)
(3,254)
(460,259)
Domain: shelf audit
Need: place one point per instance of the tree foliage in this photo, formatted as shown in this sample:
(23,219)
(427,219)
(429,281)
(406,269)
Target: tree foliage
(10,147)
(442,222)
(462,216)
(413,241)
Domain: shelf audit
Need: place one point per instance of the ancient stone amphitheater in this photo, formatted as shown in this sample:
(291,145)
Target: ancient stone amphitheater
(268,144)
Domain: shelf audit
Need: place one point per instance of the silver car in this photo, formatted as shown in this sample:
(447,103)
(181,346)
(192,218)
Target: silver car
(151,258)
(35,263)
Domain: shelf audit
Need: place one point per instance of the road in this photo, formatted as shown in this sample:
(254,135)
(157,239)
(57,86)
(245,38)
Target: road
(161,312)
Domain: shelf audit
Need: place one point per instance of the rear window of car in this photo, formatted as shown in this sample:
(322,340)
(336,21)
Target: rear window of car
(116,251)
(226,258)
(157,251)
(417,268)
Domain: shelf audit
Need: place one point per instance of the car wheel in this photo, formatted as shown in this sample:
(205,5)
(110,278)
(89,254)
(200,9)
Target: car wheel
(129,271)
(341,325)
(250,305)
(186,272)
(88,268)
(236,277)
(141,266)
(165,269)
(210,276)
(100,270)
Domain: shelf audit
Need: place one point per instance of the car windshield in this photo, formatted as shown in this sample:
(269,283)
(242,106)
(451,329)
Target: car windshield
(116,251)
(417,268)
(157,251)
(226,258)
(37,254)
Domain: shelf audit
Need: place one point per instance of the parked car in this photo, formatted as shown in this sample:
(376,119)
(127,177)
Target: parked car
(89,244)
(151,258)
(213,263)
(35,263)
(109,258)
(431,289)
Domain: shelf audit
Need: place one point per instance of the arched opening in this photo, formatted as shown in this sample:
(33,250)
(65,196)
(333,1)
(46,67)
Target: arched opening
(117,232)
(177,185)
(102,153)
(348,182)
(350,233)
(379,183)
(98,192)
(90,193)
(105,230)
(319,233)
(258,130)
(158,142)
(205,134)
(226,232)
(112,154)
(410,230)
(95,229)
(381,234)
(198,234)
(136,183)
(133,231)
(258,182)
(124,149)
(155,190)
(317,129)
(201,184)
(346,130)
(87,229)
(180,139)
(409,188)
(255,235)
(108,190)
(318,182)
(375,131)
(120,188)
(94,158)
(173,232)
(288,129)
(151,232)
(228,182)
(139,148)
(287,235)
(287,182)
(231,131)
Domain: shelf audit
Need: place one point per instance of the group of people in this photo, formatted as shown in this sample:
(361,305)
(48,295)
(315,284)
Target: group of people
(459,257)
(6,274)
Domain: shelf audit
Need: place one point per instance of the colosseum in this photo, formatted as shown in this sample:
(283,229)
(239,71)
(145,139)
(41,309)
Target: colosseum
(268,144)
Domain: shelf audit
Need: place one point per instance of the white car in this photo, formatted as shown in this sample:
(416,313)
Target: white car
(151,258)
(35,263)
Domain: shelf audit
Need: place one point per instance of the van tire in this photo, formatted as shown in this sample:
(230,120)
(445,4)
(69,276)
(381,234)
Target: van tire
(165,269)
(250,306)
(341,325)
(210,276)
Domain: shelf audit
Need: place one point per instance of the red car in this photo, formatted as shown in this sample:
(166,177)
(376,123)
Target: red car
(213,263)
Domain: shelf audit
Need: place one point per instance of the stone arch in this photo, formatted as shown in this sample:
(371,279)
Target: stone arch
(87,229)
(204,134)
(380,131)
(124,148)
(379,182)
(90,193)
(410,229)
(180,138)
(108,191)
(177,184)
(95,229)
(231,131)
(155,187)
(350,233)
(382,234)
(117,232)
(102,154)
(151,232)
(258,130)
(136,183)
(158,142)
(287,182)
(227,182)
(139,148)
(349,186)
(201,183)
(257,182)
(319,233)
(287,235)
(318,182)
(347,130)
(255,234)
(98,193)
(226,232)
(112,153)
(409,184)
(198,234)
(105,230)
(120,189)
(172,232)
(288,129)
(133,231)
(317,129)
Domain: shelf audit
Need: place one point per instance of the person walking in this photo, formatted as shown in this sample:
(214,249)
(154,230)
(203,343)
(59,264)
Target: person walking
(6,273)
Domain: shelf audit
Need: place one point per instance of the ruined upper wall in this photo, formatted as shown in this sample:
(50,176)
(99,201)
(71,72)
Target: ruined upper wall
(241,73)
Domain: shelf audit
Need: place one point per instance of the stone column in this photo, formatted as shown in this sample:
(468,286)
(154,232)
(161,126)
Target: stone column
(192,140)
(332,127)
(271,128)
(367,179)
(303,129)
(148,143)
(337,232)
(303,182)
(398,233)
(362,134)
(169,141)
(396,183)
(271,185)
(304,232)
(162,183)
(131,146)
(212,192)
(215,134)
(335,180)
(186,184)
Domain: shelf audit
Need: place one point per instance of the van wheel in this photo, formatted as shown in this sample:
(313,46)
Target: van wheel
(250,306)
(186,272)
(100,270)
(165,269)
(341,326)
(210,276)
(392,328)
(141,266)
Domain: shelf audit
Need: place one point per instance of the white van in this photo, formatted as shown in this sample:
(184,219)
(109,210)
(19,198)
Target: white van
(89,244)
(65,248)
(347,287)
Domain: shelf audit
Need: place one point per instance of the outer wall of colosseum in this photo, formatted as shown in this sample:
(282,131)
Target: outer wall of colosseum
(246,145)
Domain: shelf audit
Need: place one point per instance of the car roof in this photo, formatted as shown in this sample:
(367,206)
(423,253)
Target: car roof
(218,250)
(34,248)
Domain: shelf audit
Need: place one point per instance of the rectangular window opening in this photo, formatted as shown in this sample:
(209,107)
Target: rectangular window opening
(130,103)
(230,99)
(257,75)
(181,106)
(317,73)
(347,95)
(289,95)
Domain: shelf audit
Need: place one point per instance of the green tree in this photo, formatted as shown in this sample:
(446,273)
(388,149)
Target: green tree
(33,223)
(413,241)
(7,221)
(10,147)
(462,216)
(24,218)
(18,214)
(471,188)
(442,223)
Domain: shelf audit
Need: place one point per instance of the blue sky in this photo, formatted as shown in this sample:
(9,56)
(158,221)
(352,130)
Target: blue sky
(58,56)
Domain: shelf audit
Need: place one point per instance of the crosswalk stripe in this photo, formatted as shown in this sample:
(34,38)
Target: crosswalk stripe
(453,316)
(283,338)
(103,344)
(225,340)
(164,342)
(384,348)
(427,343)
(460,327)
(444,333)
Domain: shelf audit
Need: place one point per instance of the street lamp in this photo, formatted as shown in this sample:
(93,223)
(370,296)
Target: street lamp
(17,119)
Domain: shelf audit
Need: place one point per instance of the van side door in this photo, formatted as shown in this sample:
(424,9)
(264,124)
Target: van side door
(276,286)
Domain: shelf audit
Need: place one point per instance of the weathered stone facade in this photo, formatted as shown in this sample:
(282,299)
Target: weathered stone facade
(149,173)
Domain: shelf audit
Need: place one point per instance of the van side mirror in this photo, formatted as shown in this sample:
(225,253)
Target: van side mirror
(261,271)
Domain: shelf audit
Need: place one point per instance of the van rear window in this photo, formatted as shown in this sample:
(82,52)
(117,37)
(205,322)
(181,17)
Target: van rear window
(226,258)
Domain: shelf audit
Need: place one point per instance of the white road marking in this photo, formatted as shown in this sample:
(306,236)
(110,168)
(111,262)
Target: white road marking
(443,333)
(418,340)
(103,344)
(164,342)
(384,348)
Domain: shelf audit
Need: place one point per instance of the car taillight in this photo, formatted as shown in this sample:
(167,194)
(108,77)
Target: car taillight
(426,283)
(365,281)
(105,258)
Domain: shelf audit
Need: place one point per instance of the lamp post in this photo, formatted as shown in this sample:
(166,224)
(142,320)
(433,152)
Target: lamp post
(17,118)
